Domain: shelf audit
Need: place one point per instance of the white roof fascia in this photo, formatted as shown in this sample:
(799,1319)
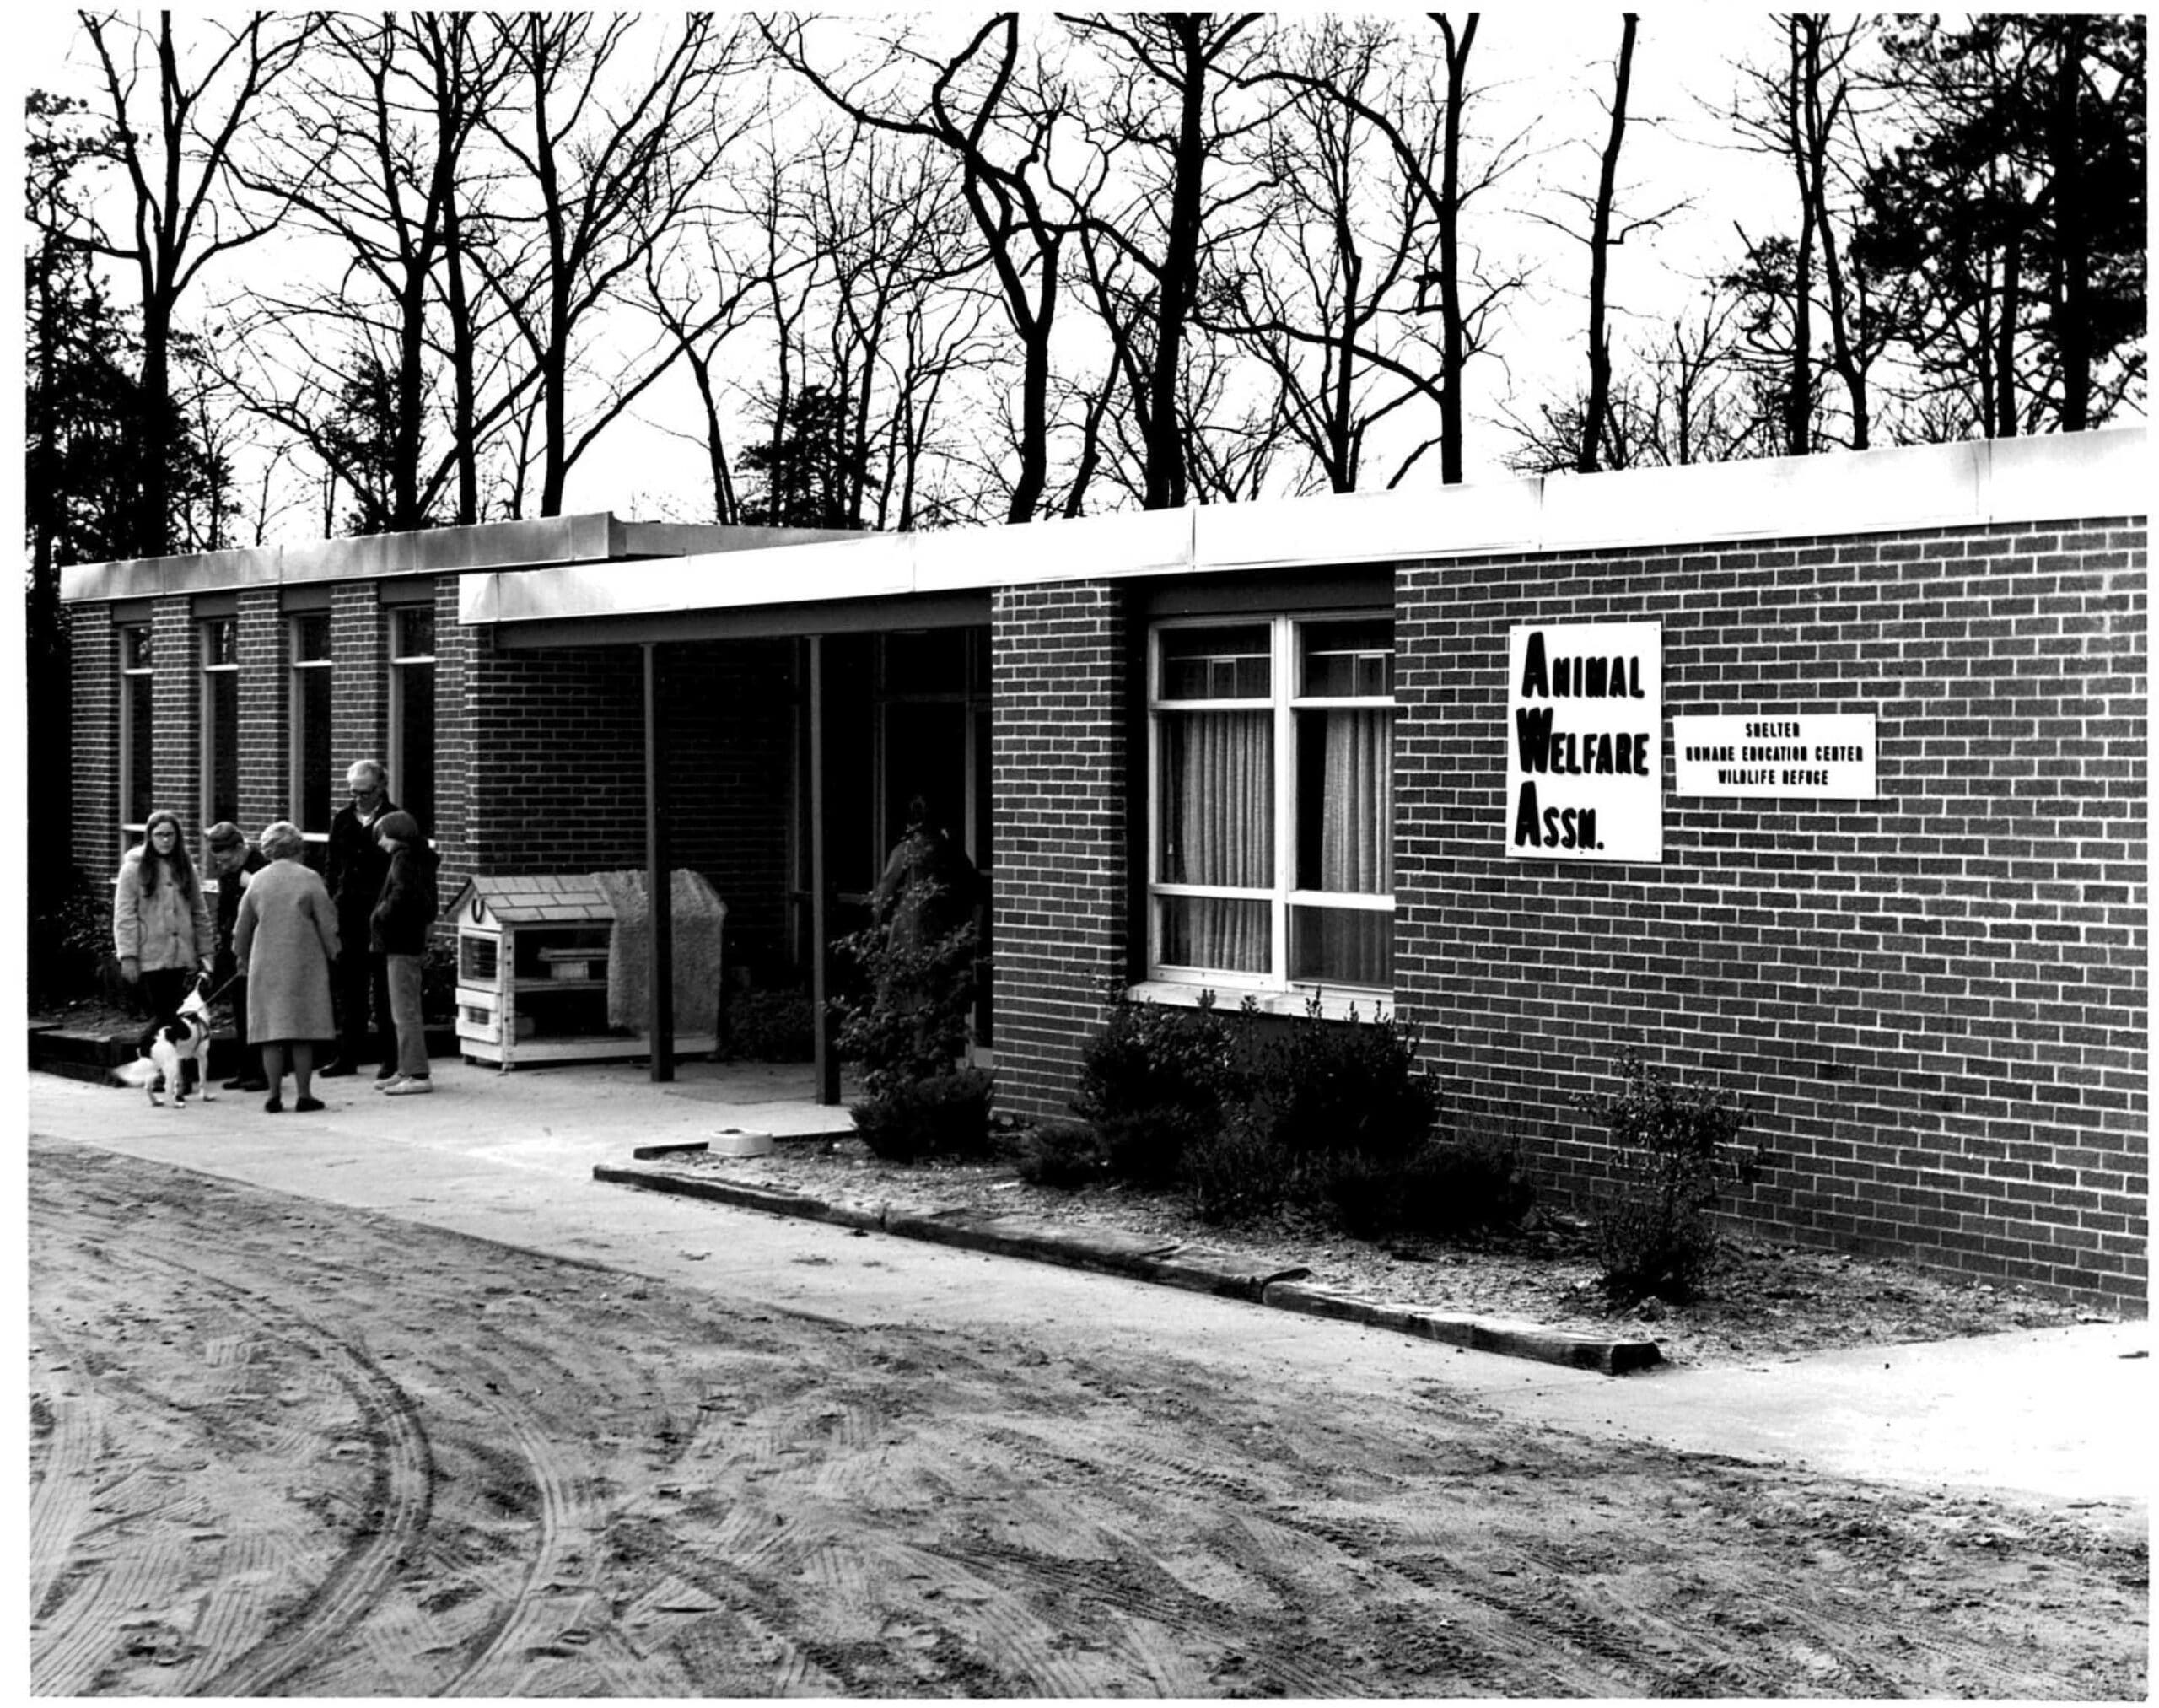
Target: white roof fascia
(2047,477)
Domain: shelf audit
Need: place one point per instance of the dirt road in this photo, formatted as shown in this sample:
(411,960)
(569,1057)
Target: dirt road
(279,1448)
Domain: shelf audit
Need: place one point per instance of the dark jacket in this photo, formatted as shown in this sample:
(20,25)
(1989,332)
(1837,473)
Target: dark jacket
(231,886)
(399,925)
(358,866)
(928,889)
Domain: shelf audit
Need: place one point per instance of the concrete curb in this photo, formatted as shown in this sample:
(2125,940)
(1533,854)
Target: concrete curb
(1166,1263)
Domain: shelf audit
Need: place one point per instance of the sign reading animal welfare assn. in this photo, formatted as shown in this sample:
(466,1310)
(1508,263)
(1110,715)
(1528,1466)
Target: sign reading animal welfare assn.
(1809,755)
(1584,754)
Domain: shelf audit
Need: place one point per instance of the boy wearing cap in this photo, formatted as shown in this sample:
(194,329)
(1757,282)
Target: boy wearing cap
(233,862)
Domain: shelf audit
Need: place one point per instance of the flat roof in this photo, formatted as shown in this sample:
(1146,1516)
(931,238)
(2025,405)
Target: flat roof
(2052,476)
(598,536)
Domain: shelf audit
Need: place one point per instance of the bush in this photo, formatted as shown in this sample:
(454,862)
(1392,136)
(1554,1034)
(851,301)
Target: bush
(1058,1153)
(906,1025)
(1674,1149)
(1156,1081)
(909,1021)
(770,1026)
(69,945)
(1238,1174)
(1446,1185)
(947,1115)
(1345,1087)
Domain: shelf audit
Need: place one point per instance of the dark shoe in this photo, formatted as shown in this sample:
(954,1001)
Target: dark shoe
(307,1106)
(252,1082)
(274,1105)
(388,1071)
(337,1070)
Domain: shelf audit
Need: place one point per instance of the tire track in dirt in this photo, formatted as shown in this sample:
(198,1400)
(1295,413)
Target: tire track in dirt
(65,1427)
(567,1508)
(398,1500)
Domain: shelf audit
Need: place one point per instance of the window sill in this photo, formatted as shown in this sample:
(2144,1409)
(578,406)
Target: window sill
(1334,1005)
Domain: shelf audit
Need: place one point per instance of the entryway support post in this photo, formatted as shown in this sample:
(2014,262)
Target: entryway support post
(825,1058)
(660,881)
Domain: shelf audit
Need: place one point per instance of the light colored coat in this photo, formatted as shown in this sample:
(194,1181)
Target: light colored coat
(163,931)
(285,937)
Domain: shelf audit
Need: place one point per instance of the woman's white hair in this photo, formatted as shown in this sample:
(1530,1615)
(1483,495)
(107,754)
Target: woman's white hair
(281,841)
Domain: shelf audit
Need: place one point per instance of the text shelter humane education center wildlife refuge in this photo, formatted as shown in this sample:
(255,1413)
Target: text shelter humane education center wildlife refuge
(1825,777)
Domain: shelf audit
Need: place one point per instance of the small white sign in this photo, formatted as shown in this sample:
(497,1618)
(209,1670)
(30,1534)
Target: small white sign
(1776,756)
(1585,741)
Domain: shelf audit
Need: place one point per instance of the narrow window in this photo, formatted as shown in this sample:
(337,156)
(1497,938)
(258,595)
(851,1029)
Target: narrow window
(311,780)
(136,732)
(412,712)
(220,770)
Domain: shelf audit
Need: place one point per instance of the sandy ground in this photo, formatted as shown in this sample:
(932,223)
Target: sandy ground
(281,1449)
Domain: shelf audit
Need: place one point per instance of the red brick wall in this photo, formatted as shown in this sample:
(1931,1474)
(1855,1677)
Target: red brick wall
(1934,1002)
(93,727)
(550,750)
(359,694)
(265,724)
(176,696)
(731,710)
(1060,733)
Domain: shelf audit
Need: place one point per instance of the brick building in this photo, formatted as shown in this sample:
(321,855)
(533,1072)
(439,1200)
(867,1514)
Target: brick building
(1825,776)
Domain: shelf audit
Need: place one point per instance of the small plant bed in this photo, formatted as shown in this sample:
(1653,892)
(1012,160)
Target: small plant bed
(1759,1300)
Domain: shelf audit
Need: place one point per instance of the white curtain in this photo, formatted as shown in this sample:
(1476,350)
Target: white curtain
(1220,801)
(1356,855)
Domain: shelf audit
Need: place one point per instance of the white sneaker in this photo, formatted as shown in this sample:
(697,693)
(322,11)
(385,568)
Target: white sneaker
(408,1087)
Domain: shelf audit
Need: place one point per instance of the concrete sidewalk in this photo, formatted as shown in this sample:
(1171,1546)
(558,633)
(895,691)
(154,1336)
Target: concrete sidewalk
(2060,1413)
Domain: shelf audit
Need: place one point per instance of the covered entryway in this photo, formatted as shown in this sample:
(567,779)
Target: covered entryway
(781,745)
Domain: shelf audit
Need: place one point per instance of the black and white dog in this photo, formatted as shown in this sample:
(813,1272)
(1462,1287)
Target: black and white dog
(168,1045)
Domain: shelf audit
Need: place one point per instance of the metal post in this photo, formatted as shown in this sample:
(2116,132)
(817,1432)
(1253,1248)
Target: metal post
(827,1060)
(659,882)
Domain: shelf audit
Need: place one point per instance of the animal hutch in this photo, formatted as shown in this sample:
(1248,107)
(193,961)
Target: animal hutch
(555,968)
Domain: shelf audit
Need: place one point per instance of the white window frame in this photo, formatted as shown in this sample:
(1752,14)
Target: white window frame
(132,831)
(400,661)
(207,770)
(1285,702)
(296,714)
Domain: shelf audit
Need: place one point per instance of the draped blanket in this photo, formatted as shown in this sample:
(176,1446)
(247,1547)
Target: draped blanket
(699,925)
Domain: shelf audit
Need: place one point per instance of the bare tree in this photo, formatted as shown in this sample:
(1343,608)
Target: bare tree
(610,159)
(1429,143)
(1323,296)
(1160,129)
(998,119)
(177,141)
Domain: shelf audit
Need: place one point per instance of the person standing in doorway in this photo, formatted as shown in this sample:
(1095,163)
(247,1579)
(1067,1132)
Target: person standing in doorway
(399,935)
(233,863)
(361,977)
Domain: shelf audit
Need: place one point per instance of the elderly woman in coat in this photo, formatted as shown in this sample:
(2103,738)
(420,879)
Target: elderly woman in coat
(285,937)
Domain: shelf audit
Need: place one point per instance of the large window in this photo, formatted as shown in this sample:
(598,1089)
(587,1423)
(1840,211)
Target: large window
(137,729)
(411,755)
(311,780)
(220,770)
(1271,860)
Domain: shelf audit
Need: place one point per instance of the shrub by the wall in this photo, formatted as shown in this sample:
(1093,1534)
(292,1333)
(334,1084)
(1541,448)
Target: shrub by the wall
(1339,1087)
(1450,1184)
(1674,1149)
(906,1025)
(1156,1081)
